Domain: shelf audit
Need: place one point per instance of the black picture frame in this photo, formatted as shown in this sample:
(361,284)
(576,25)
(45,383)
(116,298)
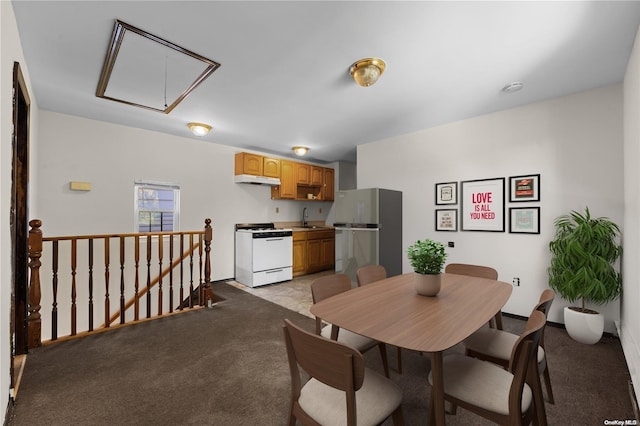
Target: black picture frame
(524,220)
(446,220)
(524,188)
(482,206)
(446,193)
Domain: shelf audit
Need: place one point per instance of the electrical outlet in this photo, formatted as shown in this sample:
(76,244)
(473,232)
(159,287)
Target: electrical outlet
(320,210)
(451,244)
(277,209)
(516,281)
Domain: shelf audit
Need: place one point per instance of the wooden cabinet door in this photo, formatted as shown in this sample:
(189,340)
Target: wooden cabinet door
(314,255)
(287,180)
(271,167)
(328,188)
(303,174)
(299,257)
(328,251)
(249,164)
(317,176)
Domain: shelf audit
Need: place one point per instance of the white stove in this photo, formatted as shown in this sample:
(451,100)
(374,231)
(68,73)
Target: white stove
(264,254)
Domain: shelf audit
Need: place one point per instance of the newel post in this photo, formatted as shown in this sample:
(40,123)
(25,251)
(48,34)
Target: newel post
(208,236)
(34,326)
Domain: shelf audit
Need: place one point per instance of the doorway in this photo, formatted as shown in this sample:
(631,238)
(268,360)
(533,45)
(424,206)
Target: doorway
(18,218)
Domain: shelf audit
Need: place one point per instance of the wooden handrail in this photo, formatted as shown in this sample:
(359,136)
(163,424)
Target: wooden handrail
(153,282)
(129,278)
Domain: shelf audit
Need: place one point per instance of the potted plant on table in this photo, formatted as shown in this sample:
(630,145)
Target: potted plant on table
(584,251)
(427,259)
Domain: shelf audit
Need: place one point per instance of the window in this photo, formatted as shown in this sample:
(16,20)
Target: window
(157,207)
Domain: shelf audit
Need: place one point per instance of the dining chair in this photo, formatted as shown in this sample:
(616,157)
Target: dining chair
(488,390)
(330,285)
(340,389)
(480,272)
(369,274)
(496,345)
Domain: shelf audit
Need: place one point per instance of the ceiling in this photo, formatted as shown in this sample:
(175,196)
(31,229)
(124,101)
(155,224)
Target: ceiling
(284,80)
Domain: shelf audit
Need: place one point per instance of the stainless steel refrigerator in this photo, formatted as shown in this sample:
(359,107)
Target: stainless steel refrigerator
(368,226)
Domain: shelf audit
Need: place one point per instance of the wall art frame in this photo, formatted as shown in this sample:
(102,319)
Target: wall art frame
(524,188)
(482,205)
(447,220)
(446,193)
(524,220)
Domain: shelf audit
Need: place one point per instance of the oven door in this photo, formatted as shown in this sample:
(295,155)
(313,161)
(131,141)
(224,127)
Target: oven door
(272,253)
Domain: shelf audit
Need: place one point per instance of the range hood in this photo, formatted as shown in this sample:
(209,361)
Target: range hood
(257,180)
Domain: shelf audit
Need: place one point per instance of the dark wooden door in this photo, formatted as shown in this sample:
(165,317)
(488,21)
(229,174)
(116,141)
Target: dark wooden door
(19,215)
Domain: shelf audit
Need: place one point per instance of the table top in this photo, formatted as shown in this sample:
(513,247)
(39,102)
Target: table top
(392,312)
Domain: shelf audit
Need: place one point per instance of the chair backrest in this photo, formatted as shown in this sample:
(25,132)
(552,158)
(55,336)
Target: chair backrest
(522,355)
(334,364)
(471,270)
(546,299)
(370,273)
(323,288)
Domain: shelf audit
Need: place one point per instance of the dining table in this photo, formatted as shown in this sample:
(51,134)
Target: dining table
(392,312)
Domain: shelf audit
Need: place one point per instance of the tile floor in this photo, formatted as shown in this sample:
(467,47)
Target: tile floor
(294,294)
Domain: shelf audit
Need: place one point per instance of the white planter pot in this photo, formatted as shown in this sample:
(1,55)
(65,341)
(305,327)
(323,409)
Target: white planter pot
(584,327)
(427,285)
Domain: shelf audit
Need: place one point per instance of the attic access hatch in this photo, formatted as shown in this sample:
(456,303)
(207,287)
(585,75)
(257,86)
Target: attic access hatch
(146,71)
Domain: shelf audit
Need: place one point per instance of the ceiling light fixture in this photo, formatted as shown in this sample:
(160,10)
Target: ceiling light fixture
(300,150)
(513,87)
(366,71)
(199,129)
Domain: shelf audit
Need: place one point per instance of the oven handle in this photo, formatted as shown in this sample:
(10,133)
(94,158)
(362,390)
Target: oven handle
(273,239)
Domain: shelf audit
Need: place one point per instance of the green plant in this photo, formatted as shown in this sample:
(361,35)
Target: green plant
(427,256)
(584,251)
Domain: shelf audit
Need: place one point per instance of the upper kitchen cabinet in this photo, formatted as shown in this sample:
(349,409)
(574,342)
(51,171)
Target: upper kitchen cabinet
(271,167)
(249,164)
(303,174)
(258,165)
(328,187)
(287,187)
(317,176)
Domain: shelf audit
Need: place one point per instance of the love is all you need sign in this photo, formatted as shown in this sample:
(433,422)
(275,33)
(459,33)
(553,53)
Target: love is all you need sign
(483,205)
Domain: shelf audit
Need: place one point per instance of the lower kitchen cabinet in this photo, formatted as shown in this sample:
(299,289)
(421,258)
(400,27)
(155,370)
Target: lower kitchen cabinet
(313,251)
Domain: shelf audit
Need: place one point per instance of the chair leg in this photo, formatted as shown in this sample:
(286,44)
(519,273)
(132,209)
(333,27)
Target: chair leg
(399,355)
(398,419)
(547,384)
(385,362)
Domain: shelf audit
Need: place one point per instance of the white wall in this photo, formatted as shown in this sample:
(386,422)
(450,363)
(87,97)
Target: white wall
(574,143)
(112,157)
(11,51)
(630,322)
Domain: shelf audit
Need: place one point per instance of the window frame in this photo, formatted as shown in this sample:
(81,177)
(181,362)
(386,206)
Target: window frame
(144,184)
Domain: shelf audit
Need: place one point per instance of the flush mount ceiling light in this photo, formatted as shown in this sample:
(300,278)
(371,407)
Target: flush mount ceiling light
(513,87)
(300,150)
(366,71)
(199,129)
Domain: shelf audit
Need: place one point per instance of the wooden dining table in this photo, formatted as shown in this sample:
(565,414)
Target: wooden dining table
(391,311)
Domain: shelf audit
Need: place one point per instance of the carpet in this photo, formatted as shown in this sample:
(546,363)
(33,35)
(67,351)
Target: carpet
(227,366)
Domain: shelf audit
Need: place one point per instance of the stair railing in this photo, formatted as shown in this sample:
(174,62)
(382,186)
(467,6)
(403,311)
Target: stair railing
(147,289)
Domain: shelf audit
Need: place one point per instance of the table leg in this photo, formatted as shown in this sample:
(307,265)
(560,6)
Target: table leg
(437,389)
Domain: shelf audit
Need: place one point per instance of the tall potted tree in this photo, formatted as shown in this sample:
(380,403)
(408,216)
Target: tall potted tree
(427,259)
(584,253)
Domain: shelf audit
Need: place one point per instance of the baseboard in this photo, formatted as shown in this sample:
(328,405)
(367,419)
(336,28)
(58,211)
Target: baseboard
(553,324)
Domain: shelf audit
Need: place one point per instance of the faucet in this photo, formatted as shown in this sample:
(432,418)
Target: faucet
(305,215)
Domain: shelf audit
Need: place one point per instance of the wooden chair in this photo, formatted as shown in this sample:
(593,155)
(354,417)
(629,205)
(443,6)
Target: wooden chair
(340,387)
(328,286)
(369,274)
(481,272)
(496,345)
(486,389)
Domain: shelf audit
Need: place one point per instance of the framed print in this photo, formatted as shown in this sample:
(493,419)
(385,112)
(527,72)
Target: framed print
(524,188)
(524,220)
(482,205)
(446,193)
(447,220)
